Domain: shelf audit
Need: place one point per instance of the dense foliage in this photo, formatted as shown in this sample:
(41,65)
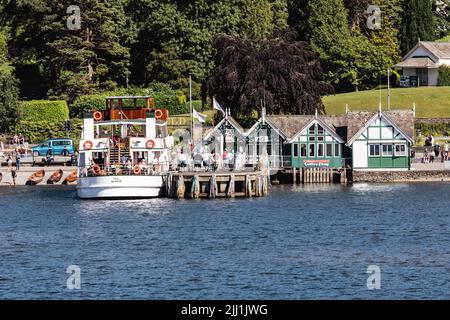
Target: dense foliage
(139,43)
(284,74)
(444,76)
(43,110)
(36,132)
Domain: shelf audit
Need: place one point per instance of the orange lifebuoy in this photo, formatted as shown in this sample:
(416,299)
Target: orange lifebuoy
(98,116)
(159,114)
(150,144)
(87,145)
(96,169)
(136,170)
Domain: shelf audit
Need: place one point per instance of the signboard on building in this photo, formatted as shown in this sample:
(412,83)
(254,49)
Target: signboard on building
(316,163)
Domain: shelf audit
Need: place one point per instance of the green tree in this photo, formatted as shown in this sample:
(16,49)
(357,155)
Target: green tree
(285,73)
(418,23)
(8,90)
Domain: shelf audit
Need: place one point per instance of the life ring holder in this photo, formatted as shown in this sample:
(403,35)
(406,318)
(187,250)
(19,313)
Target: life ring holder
(96,169)
(88,145)
(137,170)
(159,114)
(98,116)
(150,144)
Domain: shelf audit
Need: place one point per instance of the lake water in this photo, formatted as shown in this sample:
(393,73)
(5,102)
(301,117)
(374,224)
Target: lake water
(312,242)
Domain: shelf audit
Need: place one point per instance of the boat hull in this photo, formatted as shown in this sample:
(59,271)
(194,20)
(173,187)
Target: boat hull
(116,187)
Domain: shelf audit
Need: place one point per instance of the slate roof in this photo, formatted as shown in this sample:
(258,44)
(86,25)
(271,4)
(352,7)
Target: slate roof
(417,63)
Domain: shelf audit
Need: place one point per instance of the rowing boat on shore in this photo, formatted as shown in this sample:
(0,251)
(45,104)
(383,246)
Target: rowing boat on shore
(35,178)
(55,177)
(71,178)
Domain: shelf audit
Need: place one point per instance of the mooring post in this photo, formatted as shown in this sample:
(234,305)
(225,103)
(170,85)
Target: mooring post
(294,176)
(195,188)
(213,187)
(248,186)
(181,188)
(230,191)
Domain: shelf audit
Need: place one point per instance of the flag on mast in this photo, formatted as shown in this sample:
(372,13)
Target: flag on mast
(197,115)
(217,106)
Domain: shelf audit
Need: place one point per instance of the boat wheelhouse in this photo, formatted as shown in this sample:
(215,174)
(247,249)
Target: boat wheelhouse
(125,149)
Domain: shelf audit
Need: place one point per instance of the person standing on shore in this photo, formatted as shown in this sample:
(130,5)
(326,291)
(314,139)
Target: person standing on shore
(10,162)
(13,175)
(17,160)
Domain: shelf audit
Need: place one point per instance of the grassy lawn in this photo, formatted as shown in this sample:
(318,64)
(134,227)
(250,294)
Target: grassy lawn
(431,102)
(184,119)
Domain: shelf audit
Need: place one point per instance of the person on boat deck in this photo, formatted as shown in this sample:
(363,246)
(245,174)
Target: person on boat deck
(129,166)
(123,160)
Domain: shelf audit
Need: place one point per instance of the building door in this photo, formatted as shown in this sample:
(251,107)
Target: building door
(422,74)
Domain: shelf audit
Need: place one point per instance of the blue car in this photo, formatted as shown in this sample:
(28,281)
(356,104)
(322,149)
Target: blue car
(58,147)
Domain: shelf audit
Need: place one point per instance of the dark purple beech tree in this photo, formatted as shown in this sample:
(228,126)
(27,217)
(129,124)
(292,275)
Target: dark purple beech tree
(284,73)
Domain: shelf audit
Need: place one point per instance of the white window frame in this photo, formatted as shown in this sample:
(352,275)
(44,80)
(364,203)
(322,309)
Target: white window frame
(326,150)
(309,150)
(386,154)
(323,150)
(338,146)
(401,153)
(379,150)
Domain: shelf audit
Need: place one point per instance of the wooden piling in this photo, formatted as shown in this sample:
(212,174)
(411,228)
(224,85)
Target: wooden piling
(195,188)
(213,187)
(181,188)
(294,176)
(231,187)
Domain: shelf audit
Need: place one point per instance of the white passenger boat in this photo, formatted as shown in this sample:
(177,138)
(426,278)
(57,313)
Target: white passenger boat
(124,150)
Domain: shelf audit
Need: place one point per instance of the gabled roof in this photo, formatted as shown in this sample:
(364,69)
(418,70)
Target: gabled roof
(330,130)
(270,123)
(440,50)
(231,121)
(417,63)
(401,120)
(289,124)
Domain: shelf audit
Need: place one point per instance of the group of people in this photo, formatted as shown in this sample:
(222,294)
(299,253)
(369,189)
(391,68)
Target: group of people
(13,161)
(18,139)
(429,156)
(211,161)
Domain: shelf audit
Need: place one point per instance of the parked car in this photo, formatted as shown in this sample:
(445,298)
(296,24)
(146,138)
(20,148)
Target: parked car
(57,146)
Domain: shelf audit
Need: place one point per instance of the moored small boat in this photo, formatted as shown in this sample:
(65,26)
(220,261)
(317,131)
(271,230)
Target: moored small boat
(55,177)
(71,178)
(35,178)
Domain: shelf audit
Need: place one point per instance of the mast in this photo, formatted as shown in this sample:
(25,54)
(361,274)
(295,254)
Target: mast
(389,90)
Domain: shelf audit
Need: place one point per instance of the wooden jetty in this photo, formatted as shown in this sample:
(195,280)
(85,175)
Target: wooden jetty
(195,185)
(318,175)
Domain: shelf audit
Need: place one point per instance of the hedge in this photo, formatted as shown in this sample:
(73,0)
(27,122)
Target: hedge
(444,76)
(36,132)
(43,110)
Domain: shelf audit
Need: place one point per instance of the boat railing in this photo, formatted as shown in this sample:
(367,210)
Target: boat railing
(123,170)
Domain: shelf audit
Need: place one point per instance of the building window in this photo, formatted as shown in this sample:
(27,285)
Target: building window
(312,129)
(295,150)
(312,150)
(321,138)
(400,150)
(387,150)
(374,150)
(329,150)
(337,150)
(303,150)
(320,150)
(319,130)
(313,138)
